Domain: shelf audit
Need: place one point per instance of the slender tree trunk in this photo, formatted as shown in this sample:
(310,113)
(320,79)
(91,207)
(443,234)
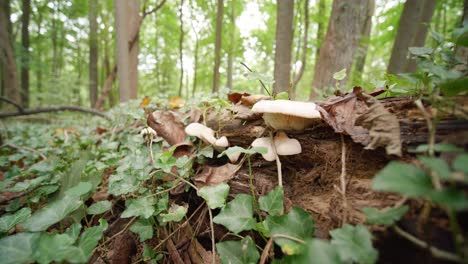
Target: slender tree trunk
(320,27)
(406,30)
(219,29)
(364,43)
(54,40)
(93,52)
(284,36)
(195,62)
(341,43)
(298,77)
(230,61)
(79,68)
(421,31)
(461,51)
(25,18)
(7,54)
(181,47)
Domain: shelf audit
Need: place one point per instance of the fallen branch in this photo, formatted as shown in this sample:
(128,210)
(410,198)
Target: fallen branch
(43,157)
(53,109)
(19,107)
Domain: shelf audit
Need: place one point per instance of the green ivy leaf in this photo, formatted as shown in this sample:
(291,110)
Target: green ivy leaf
(272,203)
(52,213)
(441,147)
(450,197)
(175,214)
(237,215)
(18,248)
(437,165)
(387,216)
(339,76)
(461,163)
(8,221)
(420,51)
(282,96)
(262,229)
(354,243)
(402,178)
(297,224)
(53,247)
(215,196)
(99,207)
(143,207)
(143,228)
(238,252)
(236,150)
(79,190)
(315,251)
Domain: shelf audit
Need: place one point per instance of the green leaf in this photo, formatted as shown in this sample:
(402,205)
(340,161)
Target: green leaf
(99,207)
(206,152)
(339,76)
(461,163)
(441,147)
(79,190)
(272,203)
(238,252)
(437,165)
(354,244)
(52,213)
(262,229)
(453,198)
(452,87)
(88,241)
(387,216)
(143,207)
(404,179)
(215,196)
(297,224)
(419,51)
(315,251)
(237,215)
(18,248)
(282,96)
(53,247)
(236,150)
(175,214)
(143,228)
(8,221)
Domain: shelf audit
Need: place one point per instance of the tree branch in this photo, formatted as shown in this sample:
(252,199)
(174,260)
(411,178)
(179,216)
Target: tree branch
(4,99)
(53,109)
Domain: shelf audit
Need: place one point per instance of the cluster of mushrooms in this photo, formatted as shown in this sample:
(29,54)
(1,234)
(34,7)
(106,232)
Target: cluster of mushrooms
(281,116)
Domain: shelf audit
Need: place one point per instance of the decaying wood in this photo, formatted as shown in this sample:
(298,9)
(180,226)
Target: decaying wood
(53,109)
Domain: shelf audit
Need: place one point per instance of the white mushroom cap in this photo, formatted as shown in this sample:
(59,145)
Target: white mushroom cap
(267,143)
(202,132)
(222,142)
(286,114)
(148,130)
(286,146)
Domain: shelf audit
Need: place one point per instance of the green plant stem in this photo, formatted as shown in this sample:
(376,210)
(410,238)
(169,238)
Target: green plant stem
(252,189)
(213,246)
(278,162)
(288,237)
(184,180)
(436,252)
(263,85)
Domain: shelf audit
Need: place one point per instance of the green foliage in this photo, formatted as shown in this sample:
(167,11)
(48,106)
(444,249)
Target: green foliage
(272,203)
(8,221)
(143,207)
(238,252)
(175,214)
(99,207)
(237,215)
(387,216)
(144,229)
(354,243)
(215,196)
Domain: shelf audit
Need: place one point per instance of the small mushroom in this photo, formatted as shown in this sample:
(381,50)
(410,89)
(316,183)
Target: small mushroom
(268,144)
(286,146)
(221,142)
(207,135)
(286,114)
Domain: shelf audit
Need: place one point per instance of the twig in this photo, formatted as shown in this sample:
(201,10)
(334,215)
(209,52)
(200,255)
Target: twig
(213,247)
(261,82)
(343,180)
(436,252)
(43,157)
(289,237)
(175,256)
(18,195)
(19,107)
(121,231)
(184,180)
(266,251)
(54,109)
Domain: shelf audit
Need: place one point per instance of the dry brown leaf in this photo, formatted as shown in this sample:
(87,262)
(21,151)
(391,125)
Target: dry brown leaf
(252,99)
(199,255)
(210,175)
(236,97)
(176,102)
(144,102)
(245,113)
(168,125)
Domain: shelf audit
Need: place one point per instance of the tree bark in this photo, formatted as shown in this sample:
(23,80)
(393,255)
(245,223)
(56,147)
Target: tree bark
(7,54)
(181,47)
(195,61)
(93,52)
(421,31)
(320,27)
(25,54)
(284,36)
(406,30)
(219,29)
(298,77)
(341,43)
(364,43)
(230,61)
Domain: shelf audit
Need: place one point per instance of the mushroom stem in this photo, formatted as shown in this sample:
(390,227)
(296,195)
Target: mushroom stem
(278,163)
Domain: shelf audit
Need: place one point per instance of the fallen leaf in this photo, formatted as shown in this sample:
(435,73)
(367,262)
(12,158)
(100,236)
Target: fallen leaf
(245,113)
(144,102)
(168,125)
(236,97)
(210,175)
(176,102)
(252,99)
(198,254)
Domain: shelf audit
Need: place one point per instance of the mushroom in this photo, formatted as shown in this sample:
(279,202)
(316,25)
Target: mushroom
(286,146)
(267,143)
(207,135)
(286,114)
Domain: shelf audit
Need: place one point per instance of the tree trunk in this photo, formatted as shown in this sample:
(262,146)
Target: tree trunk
(7,54)
(284,36)
(461,51)
(364,43)
(126,14)
(298,77)
(320,26)
(181,47)
(421,31)
(341,43)
(25,18)
(219,29)
(93,52)
(406,30)
(230,61)
(195,61)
